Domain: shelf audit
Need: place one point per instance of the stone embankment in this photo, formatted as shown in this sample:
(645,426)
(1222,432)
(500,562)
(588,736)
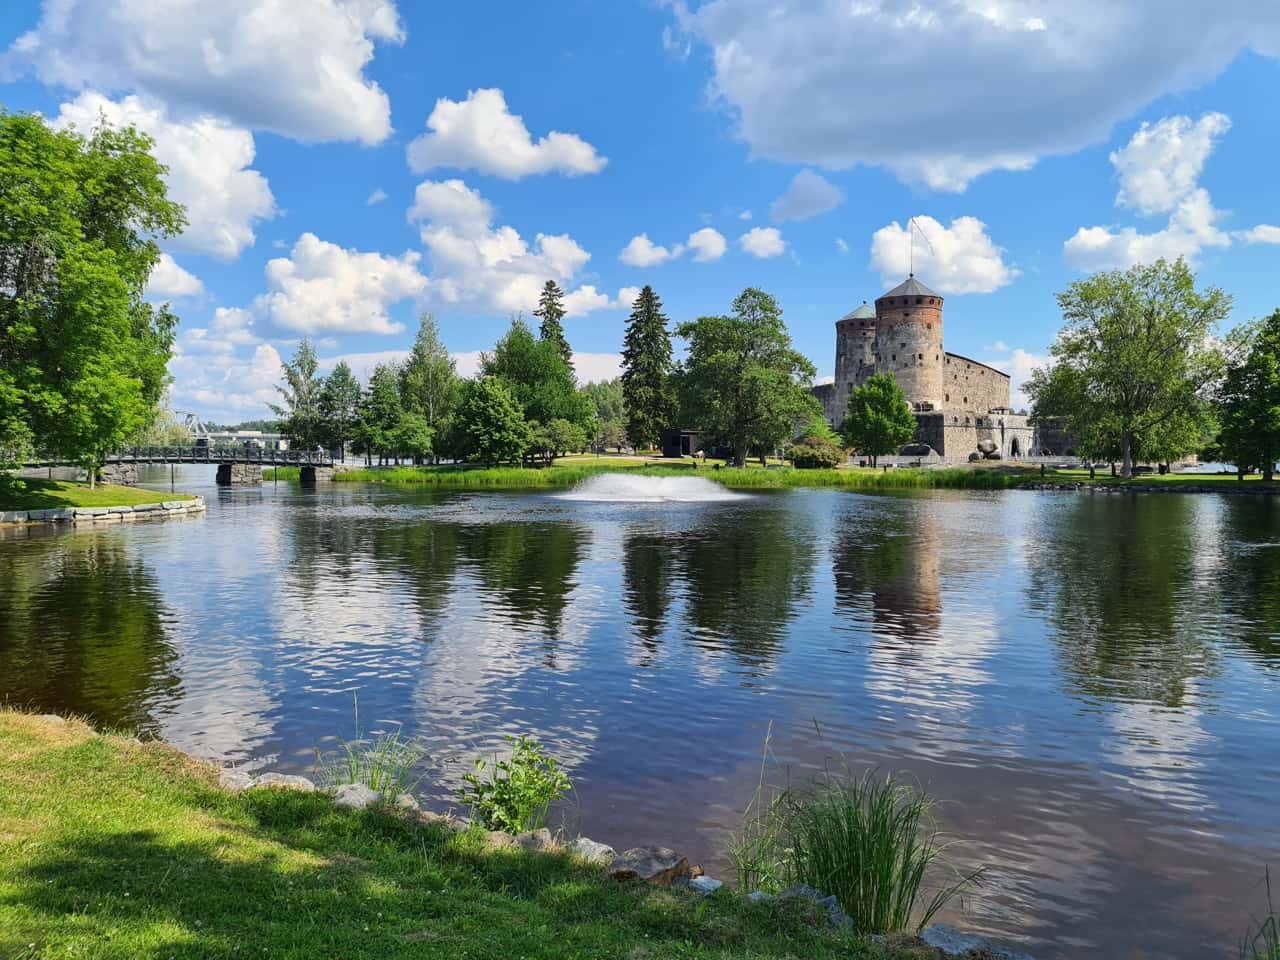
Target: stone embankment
(659,866)
(102,515)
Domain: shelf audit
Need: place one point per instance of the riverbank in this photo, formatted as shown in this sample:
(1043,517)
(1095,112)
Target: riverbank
(114,848)
(37,494)
(1005,476)
(570,474)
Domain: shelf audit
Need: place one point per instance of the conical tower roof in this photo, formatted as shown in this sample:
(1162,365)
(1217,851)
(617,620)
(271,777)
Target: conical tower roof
(864,312)
(910,287)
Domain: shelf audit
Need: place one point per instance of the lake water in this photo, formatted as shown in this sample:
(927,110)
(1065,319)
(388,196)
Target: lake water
(1090,682)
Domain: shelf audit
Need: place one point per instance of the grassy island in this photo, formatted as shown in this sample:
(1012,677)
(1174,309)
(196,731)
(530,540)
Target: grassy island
(37,494)
(111,848)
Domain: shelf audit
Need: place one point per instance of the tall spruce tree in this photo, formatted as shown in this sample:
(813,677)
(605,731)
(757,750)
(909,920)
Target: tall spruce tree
(551,312)
(648,394)
(300,413)
(429,377)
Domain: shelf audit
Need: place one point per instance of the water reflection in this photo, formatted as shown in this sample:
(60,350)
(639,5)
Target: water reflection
(84,629)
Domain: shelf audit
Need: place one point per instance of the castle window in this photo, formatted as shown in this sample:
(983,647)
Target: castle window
(919,299)
(893,357)
(920,356)
(966,400)
(947,397)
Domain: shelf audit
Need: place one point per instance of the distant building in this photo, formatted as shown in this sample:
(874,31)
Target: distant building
(961,405)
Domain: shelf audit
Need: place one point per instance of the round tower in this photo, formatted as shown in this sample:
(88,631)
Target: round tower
(855,347)
(908,341)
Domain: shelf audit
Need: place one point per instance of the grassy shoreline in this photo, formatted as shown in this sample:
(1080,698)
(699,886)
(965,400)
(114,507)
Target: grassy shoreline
(37,494)
(112,849)
(1002,477)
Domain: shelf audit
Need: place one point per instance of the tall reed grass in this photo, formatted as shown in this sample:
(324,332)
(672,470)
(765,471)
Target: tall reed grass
(871,841)
(1263,941)
(385,762)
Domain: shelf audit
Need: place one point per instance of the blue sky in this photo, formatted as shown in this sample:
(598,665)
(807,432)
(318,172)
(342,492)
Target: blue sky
(750,142)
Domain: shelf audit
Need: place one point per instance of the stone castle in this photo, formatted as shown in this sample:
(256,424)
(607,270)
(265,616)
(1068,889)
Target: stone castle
(961,406)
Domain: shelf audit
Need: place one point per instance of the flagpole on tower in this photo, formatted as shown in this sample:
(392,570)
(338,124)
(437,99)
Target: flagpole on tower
(912,229)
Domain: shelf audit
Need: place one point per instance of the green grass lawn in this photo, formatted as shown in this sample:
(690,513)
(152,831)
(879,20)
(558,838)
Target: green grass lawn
(111,849)
(1217,480)
(35,494)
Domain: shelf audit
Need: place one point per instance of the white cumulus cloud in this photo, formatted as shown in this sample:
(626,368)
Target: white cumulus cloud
(961,258)
(763,242)
(226,386)
(209,164)
(294,67)
(809,195)
(1019,364)
(321,286)
(643,252)
(707,244)
(1263,233)
(376,197)
(909,86)
(170,280)
(1159,171)
(1161,164)
(480,133)
(477,264)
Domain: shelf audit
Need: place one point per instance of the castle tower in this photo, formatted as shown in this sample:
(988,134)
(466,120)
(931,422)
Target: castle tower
(855,347)
(908,342)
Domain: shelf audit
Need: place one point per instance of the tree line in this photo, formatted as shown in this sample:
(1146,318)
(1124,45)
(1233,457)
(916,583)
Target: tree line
(1140,372)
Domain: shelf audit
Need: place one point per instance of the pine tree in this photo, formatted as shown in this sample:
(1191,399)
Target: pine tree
(429,377)
(551,312)
(647,391)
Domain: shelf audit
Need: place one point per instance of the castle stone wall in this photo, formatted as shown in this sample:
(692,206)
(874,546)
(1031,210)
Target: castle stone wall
(908,343)
(970,385)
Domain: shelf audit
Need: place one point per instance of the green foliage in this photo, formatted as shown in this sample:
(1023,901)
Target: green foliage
(284,873)
(412,437)
(384,762)
(490,425)
(607,398)
(538,377)
(515,793)
(429,378)
(870,841)
(165,429)
(1248,401)
(300,411)
(742,380)
(815,453)
(878,419)
(380,412)
(648,390)
(1133,366)
(339,407)
(551,312)
(83,355)
(612,436)
(556,439)
(31,493)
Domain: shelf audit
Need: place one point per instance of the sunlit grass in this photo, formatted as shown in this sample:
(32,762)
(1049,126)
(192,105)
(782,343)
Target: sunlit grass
(38,494)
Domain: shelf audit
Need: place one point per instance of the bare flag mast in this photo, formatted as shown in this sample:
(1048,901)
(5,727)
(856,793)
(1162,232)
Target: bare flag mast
(912,229)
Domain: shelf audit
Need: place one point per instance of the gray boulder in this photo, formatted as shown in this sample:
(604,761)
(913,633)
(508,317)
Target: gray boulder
(286,781)
(838,917)
(407,801)
(592,851)
(235,780)
(356,796)
(759,896)
(656,865)
(537,841)
(950,940)
(705,885)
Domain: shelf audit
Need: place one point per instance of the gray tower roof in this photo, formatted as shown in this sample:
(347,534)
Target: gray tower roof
(910,287)
(864,312)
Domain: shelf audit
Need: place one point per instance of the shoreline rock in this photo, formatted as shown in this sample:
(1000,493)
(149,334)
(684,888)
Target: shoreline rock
(92,516)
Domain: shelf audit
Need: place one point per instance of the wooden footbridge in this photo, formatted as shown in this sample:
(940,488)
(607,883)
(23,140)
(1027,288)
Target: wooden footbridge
(236,464)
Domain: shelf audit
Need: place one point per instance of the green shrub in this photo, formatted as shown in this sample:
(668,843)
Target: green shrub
(515,793)
(815,453)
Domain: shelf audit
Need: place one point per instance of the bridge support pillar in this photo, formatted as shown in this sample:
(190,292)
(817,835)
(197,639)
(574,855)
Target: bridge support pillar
(235,474)
(310,476)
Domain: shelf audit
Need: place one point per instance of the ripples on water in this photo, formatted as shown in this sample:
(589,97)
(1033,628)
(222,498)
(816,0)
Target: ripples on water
(1090,682)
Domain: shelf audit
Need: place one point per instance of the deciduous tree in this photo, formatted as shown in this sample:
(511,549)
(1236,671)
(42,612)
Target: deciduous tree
(299,413)
(490,424)
(743,381)
(1249,401)
(339,408)
(1134,365)
(878,419)
(429,377)
(83,355)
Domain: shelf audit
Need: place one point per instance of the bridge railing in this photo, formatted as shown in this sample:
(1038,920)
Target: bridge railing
(214,454)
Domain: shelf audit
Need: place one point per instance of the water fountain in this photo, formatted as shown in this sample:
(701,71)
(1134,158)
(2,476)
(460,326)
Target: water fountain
(633,488)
